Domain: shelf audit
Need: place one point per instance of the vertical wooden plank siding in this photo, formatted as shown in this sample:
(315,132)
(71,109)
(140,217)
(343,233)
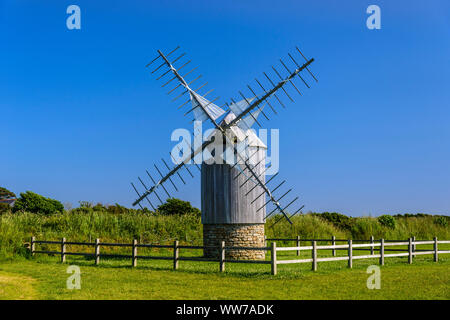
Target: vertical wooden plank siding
(224,199)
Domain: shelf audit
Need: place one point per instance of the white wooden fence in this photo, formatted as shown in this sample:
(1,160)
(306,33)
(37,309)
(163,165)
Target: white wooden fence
(373,246)
(350,247)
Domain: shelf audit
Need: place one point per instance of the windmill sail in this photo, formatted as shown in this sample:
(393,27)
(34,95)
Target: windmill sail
(245,114)
(238,107)
(248,121)
(203,109)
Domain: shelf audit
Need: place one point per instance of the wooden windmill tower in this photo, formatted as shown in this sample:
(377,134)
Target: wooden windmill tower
(234,191)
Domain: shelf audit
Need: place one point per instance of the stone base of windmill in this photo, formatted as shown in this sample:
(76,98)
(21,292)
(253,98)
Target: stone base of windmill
(234,235)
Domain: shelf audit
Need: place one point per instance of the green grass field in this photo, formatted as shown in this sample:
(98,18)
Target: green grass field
(44,277)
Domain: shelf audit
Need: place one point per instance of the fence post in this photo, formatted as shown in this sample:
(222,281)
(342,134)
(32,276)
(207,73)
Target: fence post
(298,245)
(350,254)
(382,252)
(63,250)
(273,261)
(134,254)
(175,255)
(97,251)
(32,246)
(222,256)
(314,256)
(372,247)
(333,242)
(436,252)
(414,243)
(410,250)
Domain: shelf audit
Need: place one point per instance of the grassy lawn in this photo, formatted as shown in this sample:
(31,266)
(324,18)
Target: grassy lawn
(17,287)
(45,278)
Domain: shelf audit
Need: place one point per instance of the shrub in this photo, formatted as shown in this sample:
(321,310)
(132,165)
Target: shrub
(387,221)
(35,203)
(99,207)
(339,220)
(441,221)
(117,209)
(175,206)
(85,204)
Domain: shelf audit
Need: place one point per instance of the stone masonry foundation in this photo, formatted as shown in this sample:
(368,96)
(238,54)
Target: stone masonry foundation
(234,235)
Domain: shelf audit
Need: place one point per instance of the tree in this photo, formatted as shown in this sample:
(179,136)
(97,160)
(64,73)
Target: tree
(35,203)
(6,194)
(175,206)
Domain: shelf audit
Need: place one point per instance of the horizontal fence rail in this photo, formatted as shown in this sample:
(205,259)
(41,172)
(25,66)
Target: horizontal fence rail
(377,250)
(373,246)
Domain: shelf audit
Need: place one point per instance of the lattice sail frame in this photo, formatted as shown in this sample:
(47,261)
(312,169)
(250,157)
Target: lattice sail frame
(246,113)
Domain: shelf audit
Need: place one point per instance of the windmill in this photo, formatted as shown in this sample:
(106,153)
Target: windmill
(236,198)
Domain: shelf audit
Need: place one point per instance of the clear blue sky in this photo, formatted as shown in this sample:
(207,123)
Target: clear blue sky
(81,117)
